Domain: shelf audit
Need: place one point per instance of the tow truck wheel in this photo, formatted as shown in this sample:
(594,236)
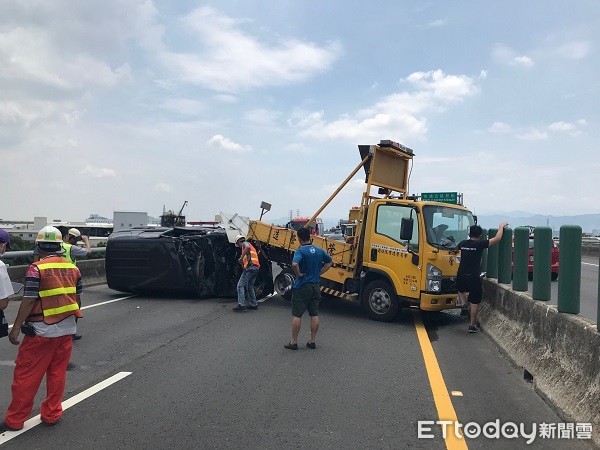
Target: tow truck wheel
(284,282)
(380,301)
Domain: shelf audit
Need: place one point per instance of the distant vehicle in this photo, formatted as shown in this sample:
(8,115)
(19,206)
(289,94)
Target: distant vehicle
(316,228)
(554,260)
(334,236)
(554,265)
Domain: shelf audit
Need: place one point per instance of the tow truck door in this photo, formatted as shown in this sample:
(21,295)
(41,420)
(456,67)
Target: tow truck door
(386,253)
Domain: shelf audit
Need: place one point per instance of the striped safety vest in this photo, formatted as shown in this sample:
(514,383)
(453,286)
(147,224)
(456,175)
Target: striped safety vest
(252,257)
(57,296)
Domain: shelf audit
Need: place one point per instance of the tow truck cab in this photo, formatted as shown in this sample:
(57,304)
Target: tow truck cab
(398,249)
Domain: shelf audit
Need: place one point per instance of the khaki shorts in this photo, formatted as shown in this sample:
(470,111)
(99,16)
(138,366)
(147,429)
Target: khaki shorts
(306,297)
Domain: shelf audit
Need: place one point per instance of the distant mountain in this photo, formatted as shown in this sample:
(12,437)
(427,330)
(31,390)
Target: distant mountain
(589,223)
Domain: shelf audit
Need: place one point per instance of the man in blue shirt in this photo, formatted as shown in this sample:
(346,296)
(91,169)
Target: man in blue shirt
(308,264)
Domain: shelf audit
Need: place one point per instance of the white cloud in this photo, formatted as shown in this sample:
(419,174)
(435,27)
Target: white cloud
(98,172)
(524,61)
(436,23)
(561,126)
(483,74)
(164,187)
(500,127)
(448,88)
(574,129)
(503,54)
(305,119)
(223,143)
(233,60)
(398,115)
(574,50)
(533,135)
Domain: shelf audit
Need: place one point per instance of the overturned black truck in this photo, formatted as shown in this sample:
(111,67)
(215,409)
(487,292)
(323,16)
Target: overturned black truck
(198,261)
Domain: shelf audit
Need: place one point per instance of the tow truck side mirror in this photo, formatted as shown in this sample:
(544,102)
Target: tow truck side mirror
(406,228)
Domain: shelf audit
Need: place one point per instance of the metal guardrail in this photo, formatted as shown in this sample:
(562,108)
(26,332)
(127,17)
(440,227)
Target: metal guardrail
(17,254)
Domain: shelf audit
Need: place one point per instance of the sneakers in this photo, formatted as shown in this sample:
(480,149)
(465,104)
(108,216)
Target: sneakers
(311,345)
(473,329)
(239,308)
(252,308)
(4,428)
(291,346)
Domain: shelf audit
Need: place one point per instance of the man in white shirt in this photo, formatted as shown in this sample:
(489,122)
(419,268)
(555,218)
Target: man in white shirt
(6,288)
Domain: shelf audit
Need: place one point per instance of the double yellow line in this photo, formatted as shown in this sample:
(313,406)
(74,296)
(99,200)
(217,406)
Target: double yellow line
(441,397)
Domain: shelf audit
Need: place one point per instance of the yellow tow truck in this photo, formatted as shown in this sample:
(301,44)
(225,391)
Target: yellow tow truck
(400,251)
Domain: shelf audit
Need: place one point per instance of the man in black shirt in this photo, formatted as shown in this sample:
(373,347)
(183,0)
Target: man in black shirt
(468,280)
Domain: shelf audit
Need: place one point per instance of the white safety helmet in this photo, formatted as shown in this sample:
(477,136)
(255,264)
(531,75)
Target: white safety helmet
(49,240)
(74,232)
(238,238)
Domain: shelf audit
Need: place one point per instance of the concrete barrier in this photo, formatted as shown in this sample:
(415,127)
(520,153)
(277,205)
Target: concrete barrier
(560,351)
(92,272)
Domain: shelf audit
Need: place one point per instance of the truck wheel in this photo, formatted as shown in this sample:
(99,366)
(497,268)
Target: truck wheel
(284,282)
(380,301)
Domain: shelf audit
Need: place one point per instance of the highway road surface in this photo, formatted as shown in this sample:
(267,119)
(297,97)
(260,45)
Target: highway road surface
(588,289)
(182,373)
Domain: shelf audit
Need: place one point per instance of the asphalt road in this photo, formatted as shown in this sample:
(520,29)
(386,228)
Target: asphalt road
(202,376)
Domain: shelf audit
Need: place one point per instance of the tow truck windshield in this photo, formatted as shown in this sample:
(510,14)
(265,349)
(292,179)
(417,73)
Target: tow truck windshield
(446,227)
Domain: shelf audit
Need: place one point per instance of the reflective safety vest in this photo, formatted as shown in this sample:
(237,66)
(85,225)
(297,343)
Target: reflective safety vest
(67,253)
(251,258)
(57,295)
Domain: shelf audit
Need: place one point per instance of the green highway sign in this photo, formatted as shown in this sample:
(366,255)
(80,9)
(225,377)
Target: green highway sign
(444,197)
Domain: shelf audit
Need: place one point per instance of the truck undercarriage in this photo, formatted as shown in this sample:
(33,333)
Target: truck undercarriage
(197,261)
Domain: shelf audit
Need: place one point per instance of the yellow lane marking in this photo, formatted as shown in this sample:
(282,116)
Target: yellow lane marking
(443,404)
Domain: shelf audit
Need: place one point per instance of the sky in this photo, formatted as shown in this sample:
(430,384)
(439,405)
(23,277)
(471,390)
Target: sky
(141,105)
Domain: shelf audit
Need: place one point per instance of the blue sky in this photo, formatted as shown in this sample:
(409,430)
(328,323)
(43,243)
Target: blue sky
(132,105)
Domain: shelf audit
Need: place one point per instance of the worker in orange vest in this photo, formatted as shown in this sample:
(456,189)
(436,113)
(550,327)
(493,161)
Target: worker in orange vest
(250,266)
(47,319)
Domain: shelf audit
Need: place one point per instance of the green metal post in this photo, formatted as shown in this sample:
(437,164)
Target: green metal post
(569,261)
(520,258)
(484,254)
(542,259)
(492,267)
(505,256)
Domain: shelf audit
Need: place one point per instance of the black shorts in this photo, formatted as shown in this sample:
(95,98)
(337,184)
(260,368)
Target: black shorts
(472,285)
(306,297)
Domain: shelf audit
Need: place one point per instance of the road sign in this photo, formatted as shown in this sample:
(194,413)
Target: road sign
(444,197)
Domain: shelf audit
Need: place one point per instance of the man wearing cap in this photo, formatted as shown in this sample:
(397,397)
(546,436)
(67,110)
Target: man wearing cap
(250,266)
(6,289)
(72,250)
(47,319)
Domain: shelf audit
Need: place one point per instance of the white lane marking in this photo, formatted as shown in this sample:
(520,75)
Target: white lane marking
(96,304)
(34,421)
(107,302)
(266,298)
(590,264)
